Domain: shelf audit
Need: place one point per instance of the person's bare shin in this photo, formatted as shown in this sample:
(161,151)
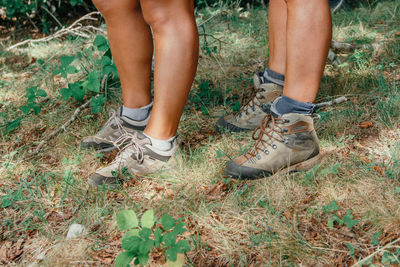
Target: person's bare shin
(176,54)
(277,19)
(309,33)
(132,48)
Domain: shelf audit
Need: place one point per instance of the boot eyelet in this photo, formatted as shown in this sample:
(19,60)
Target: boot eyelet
(287,121)
(285,140)
(247,113)
(258,156)
(266,152)
(274,146)
(253,108)
(285,130)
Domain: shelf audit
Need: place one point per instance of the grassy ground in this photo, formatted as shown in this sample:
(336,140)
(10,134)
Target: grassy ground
(283,220)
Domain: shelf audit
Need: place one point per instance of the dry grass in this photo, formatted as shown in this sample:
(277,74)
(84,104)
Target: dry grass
(273,221)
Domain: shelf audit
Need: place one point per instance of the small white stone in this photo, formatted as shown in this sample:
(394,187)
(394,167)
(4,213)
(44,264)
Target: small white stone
(76,230)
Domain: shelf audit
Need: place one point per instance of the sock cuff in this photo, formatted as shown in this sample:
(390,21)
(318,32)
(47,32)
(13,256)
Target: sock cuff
(274,77)
(283,105)
(141,108)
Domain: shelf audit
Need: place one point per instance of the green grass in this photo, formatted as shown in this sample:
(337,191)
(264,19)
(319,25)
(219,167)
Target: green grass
(277,221)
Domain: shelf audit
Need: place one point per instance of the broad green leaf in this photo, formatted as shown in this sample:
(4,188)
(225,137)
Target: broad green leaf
(65,93)
(123,259)
(105,60)
(145,233)
(36,108)
(131,243)
(330,207)
(133,232)
(375,238)
(25,109)
(183,246)
(92,82)
(65,61)
(76,91)
(146,246)
(143,259)
(127,219)
(147,219)
(171,253)
(169,239)
(348,220)
(167,222)
(71,70)
(157,236)
(41,93)
(351,248)
(12,125)
(97,104)
(101,43)
(179,228)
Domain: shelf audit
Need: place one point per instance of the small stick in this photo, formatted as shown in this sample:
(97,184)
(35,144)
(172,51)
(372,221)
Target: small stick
(75,28)
(67,123)
(359,263)
(338,100)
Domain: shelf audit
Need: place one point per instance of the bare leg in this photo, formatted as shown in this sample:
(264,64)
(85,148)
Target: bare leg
(277,35)
(309,33)
(176,54)
(132,48)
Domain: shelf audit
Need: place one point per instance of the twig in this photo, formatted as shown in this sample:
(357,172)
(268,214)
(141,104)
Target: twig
(342,46)
(67,123)
(75,28)
(359,263)
(338,100)
(51,15)
(63,127)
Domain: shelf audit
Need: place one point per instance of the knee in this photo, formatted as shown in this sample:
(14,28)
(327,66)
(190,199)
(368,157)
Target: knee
(157,14)
(109,7)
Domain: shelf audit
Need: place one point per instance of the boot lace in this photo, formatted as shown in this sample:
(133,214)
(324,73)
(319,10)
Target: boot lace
(271,129)
(253,101)
(127,145)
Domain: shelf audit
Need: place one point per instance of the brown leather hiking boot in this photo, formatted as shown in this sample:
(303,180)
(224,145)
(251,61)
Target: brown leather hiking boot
(252,113)
(283,144)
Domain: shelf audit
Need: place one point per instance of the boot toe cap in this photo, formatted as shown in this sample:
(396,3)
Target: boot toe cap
(241,172)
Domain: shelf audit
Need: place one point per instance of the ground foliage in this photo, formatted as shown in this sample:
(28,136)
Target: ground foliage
(341,212)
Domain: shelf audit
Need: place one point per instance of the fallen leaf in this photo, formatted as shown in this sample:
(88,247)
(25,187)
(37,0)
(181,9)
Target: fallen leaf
(366,124)
(169,193)
(378,169)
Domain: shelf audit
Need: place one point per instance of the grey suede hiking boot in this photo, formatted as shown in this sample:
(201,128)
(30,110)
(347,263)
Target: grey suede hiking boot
(252,113)
(286,143)
(138,157)
(116,126)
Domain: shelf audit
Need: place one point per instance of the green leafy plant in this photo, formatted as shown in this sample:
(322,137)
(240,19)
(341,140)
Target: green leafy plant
(142,236)
(32,94)
(333,218)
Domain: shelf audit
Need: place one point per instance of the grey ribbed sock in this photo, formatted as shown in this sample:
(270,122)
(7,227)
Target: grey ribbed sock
(283,105)
(137,114)
(163,145)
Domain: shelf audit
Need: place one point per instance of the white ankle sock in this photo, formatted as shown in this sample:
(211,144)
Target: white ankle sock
(163,145)
(137,114)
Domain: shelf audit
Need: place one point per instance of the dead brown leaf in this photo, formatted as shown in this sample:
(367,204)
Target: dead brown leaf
(169,193)
(366,124)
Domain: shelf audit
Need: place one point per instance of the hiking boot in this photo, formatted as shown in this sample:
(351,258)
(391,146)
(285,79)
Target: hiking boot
(138,157)
(286,143)
(252,113)
(116,126)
